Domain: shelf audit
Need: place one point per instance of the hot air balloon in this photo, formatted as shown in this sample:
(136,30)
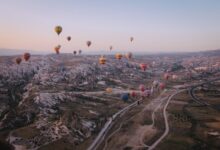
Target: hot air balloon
(166,76)
(58,29)
(80,51)
(68,38)
(108,90)
(155,83)
(143,66)
(27,56)
(153,63)
(162,86)
(18,60)
(111,47)
(174,77)
(145,93)
(131,39)
(128,55)
(102,60)
(133,93)
(88,43)
(125,96)
(74,52)
(118,56)
(57,49)
(142,87)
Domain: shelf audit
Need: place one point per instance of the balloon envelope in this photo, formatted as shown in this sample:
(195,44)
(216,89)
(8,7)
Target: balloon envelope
(129,55)
(80,51)
(162,86)
(118,56)
(133,93)
(143,66)
(142,87)
(131,39)
(102,60)
(108,90)
(18,60)
(125,96)
(88,43)
(166,76)
(58,29)
(27,56)
(57,49)
(68,38)
(111,47)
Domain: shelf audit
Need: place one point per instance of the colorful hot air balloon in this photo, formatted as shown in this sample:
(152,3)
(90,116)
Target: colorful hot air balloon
(143,66)
(102,60)
(128,55)
(68,38)
(118,56)
(58,29)
(125,97)
(133,94)
(57,49)
(142,87)
(145,93)
(18,60)
(166,76)
(108,90)
(27,56)
(88,43)
(162,86)
(131,39)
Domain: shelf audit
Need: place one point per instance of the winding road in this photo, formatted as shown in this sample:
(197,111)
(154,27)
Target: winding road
(153,146)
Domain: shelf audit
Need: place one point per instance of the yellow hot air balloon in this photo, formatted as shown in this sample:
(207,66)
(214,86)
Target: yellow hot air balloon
(58,29)
(118,56)
(102,60)
(108,90)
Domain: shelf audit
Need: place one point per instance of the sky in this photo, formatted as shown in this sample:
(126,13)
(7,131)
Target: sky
(156,25)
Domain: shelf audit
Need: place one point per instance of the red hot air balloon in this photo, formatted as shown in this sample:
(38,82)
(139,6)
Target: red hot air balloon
(133,94)
(27,56)
(143,66)
(142,87)
(88,43)
(57,49)
(18,60)
(162,86)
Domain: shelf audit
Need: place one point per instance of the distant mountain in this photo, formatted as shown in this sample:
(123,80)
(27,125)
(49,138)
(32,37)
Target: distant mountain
(10,52)
(211,52)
